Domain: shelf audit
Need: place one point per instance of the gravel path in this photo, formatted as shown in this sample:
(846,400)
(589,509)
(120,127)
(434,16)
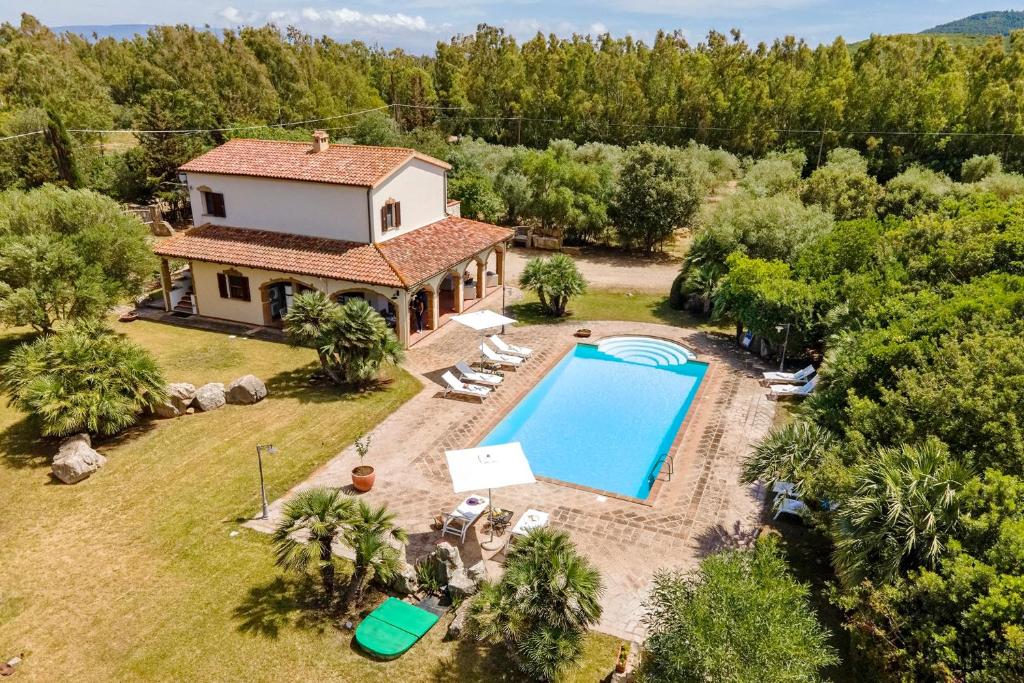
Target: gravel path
(609,269)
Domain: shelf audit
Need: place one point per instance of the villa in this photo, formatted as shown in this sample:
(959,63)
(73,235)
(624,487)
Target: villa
(274,219)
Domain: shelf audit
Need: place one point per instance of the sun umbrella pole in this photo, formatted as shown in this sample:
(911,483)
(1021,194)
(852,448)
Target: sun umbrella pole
(490,501)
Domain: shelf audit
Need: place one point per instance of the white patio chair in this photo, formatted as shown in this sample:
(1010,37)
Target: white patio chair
(499,358)
(458,521)
(790,506)
(510,349)
(471,375)
(777,391)
(454,386)
(799,377)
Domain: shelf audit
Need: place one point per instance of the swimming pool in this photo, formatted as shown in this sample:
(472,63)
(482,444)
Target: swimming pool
(606,415)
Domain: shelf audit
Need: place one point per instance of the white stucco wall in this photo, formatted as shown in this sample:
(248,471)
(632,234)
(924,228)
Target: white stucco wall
(303,208)
(420,187)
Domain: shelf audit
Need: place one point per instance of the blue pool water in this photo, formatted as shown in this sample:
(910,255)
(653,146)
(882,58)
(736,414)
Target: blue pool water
(605,416)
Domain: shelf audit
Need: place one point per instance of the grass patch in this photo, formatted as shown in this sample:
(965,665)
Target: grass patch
(612,304)
(135,574)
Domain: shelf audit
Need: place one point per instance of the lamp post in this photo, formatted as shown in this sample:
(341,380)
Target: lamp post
(260,448)
(782,360)
(503,290)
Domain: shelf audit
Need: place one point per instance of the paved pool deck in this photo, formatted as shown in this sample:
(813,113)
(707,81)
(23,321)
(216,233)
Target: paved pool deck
(701,509)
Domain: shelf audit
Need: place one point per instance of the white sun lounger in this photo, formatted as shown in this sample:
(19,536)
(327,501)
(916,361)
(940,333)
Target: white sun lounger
(800,377)
(510,349)
(458,521)
(471,375)
(454,386)
(787,390)
(499,358)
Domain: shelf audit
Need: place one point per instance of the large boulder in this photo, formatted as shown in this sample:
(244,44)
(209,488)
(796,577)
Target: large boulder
(460,585)
(179,398)
(210,396)
(76,459)
(246,390)
(445,561)
(404,580)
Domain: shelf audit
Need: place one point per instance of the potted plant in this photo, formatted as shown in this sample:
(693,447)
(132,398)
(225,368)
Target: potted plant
(583,333)
(620,662)
(363,475)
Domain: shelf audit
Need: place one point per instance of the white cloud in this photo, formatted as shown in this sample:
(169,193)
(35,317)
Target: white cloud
(721,8)
(598,28)
(337,19)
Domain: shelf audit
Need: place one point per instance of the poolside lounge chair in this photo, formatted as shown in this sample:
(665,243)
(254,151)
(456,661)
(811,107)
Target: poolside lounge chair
(499,358)
(510,349)
(471,375)
(458,521)
(777,391)
(390,630)
(455,386)
(790,506)
(799,377)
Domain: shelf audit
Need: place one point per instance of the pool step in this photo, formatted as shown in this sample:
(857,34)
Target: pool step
(646,351)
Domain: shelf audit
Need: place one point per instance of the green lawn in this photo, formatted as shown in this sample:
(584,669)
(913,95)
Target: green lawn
(135,573)
(612,304)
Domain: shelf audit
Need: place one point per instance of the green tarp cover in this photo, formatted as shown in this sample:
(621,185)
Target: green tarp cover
(393,628)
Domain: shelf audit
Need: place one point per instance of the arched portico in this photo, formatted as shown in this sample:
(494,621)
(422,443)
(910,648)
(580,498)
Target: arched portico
(276,296)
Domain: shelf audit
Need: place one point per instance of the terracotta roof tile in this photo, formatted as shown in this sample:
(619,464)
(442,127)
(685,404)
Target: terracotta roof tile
(282,252)
(358,165)
(434,248)
(402,261)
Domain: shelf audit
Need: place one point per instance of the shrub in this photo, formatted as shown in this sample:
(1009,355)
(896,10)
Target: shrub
(771,176)
(83,378)
(914,192)
(740,617)
(980,167)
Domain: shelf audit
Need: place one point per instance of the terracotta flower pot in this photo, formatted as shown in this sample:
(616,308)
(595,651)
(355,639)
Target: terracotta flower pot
(363,477)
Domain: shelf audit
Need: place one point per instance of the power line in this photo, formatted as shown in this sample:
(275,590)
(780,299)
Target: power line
(22,135)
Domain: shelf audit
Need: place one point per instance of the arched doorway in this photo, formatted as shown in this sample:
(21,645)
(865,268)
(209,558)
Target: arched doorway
(377,301)
(277,296)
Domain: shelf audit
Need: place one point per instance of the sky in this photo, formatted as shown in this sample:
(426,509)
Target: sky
(416,25)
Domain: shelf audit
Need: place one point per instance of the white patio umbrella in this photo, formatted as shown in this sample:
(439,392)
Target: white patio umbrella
(489,467)
(481,320)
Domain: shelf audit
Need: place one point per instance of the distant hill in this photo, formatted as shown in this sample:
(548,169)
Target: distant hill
(983,24)
(118,31)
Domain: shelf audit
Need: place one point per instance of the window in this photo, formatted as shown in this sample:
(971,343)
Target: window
(233,285)
(214,202)
(391,215)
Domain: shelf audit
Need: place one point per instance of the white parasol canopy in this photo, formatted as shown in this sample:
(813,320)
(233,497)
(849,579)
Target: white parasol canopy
(489,467)
(483,319)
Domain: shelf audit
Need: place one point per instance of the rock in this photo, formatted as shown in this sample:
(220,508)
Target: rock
(246,390)
(404,581)
(179,397)
(210,397)
(76,460)
(458,624)
(161,229)
(460,585)
(477,572)
(446,561)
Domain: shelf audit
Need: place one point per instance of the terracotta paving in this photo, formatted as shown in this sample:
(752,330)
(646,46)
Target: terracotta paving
(702,508)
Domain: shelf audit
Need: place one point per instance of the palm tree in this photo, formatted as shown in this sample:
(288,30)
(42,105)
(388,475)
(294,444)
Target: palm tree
(556,280)
(546,600)
(786,452)
(352,340)
(312,521)
(901,514)
(309,322)
(370,533)
(703,281)
(84,378)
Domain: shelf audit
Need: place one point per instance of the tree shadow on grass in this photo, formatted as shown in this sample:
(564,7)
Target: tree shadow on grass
(22,447)
(297,384)
(532,313)
(473,661)
(285,601)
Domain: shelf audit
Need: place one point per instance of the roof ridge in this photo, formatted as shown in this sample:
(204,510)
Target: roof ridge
(392,266)
(334,144)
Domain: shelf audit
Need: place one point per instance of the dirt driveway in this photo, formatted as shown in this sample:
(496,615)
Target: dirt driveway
(607,269)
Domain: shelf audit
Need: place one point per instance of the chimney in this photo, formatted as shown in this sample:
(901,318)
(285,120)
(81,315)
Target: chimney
(320,141)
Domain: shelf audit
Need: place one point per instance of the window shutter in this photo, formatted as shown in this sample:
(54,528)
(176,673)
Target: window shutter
(218,203)
(383,218)
(222,285)
(244,281)
(398,214)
